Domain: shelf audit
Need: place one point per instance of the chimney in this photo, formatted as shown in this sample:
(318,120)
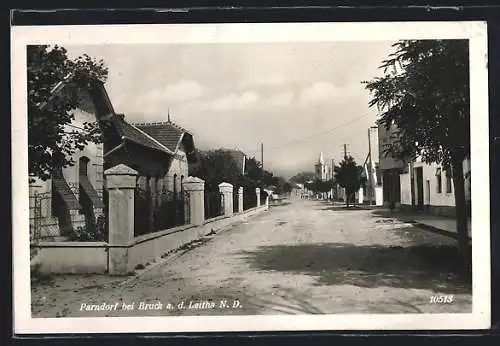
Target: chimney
(121,116)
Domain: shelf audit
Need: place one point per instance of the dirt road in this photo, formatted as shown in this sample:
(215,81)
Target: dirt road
(307,257)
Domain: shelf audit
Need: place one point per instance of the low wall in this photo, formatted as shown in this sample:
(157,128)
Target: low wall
(92,257)
(71,257)
(151,246)
(439,210)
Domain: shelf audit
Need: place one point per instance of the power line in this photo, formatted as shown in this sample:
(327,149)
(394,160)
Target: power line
(315,135)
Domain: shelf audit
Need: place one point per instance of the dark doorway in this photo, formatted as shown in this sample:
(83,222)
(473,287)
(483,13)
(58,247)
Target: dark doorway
(420,188)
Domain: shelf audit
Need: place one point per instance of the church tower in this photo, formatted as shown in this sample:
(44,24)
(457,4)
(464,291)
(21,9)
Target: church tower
(321,169)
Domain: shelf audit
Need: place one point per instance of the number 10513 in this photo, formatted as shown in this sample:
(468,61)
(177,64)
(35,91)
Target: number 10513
(442,299)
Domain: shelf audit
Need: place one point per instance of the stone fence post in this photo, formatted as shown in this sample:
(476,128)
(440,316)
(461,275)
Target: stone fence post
(257,192)
(361,197)
(240,199)
(227,191)
(120,183)
(196,189)
(268,192)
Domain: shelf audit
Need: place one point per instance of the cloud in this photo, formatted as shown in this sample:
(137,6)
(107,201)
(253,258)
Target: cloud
(283,99)
(182,91)
(159,99)
(235,101)
(317,93)
(248,100)
(270,80)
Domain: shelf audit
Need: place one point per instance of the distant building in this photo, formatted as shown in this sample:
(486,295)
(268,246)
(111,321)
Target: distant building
(322,170)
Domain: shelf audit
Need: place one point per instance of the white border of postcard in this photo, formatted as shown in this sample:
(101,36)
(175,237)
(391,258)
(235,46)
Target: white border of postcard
(234,33)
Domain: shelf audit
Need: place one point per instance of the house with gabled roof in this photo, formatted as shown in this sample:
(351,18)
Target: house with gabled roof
(75,196)
(72,197)
(161,152)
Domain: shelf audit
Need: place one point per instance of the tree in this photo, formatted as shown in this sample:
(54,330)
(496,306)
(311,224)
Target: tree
(349,176)
(319,186)
(217,166)
(50,146)
(425,93)
(302,177)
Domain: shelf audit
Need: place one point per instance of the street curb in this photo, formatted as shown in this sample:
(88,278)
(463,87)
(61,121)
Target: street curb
(436,230)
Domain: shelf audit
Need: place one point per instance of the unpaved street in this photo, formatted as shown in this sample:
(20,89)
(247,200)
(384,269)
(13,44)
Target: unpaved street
(306,257)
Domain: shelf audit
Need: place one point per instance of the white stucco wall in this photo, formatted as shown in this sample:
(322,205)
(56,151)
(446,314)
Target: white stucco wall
(95,166)
(431,195)
(92,151)
(405,188)
(179,167)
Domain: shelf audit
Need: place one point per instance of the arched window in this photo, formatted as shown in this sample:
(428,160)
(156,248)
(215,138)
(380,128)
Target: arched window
(175,185)
(83,164)
(182,183)
(438,181)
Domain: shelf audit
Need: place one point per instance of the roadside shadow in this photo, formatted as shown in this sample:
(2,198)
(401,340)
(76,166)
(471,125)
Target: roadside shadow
(397,215)
(279,204)
(414,267)
(344,208)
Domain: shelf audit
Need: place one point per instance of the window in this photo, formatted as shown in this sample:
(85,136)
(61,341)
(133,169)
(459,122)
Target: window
(438,180)
(158,183)
(175,184)
(448,180)
(182,183)
(83,164)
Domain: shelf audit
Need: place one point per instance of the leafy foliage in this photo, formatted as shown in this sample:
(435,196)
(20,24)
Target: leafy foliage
(349,176)
(319,186)
(98,232)
(303,177)
(50,144)
(218,165)
(425,94)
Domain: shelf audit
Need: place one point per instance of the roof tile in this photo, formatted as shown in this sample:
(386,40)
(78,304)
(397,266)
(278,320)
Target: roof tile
(134,134)
(167,133)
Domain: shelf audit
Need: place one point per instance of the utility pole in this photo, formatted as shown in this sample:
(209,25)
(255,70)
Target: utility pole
(332,170)
(262,164)
(370,170)
(345,151)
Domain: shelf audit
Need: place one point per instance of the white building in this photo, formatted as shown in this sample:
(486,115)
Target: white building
(429,187)
(322,170)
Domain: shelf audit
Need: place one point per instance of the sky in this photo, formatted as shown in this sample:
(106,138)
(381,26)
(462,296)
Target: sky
(298,99)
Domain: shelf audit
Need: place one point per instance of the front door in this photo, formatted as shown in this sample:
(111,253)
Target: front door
(420,188)
(428,191)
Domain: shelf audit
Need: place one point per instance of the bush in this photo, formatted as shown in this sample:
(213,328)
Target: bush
(97,233)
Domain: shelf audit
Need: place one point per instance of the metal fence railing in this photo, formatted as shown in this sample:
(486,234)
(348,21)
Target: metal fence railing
(171,210)
(143,212)
(263,196)
(214,204)
(39,230)
(249,199)
(235,202)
